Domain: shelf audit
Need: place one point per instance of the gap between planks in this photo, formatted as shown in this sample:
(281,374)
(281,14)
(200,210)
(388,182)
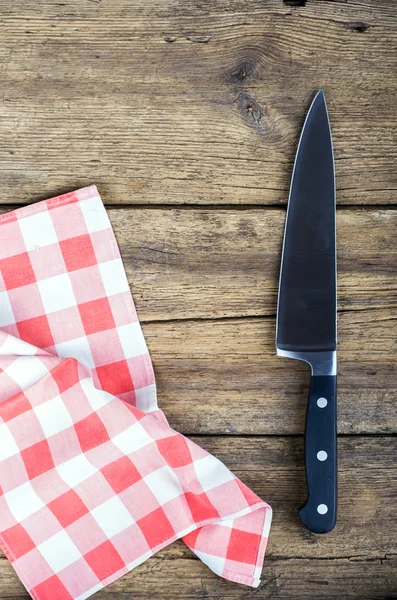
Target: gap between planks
(215,207)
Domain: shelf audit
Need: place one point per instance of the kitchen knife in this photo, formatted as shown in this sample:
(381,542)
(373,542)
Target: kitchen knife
(306,314)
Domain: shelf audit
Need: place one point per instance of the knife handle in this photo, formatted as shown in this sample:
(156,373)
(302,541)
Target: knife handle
(319,512)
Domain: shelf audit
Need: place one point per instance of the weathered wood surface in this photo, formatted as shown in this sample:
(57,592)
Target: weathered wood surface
(224,377)
(356,560)
(285,579)
(200,263)
(187,102)
(201,103)
(273,468)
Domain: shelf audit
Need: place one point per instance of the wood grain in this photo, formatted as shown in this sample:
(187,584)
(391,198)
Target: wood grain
(190,112)
(198,103)
(200,263)
(356,560)
(285,579)
(224,377)
(291,579)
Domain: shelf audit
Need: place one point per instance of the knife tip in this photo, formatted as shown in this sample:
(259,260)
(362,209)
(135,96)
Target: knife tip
(320,95)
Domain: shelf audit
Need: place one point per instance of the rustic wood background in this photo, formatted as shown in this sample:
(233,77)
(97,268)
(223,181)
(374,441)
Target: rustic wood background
(186,114)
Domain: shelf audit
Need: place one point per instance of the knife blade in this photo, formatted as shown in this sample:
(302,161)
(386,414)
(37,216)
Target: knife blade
(306,313)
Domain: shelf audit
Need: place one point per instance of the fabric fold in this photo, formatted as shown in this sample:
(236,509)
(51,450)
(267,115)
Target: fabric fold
(93,480)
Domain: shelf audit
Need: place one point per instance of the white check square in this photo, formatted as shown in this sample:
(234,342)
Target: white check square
(23,501)
(97,398)
(215,563)
(112,517)
(146,398)
(76,470)
(113,277)
(26,370)
(164,484)
(56,293)
(95,215)
(132,439)
(132,340)
(13,346)
(78,348)
(6,314)
(8,445)
(59,551)
(53,416)
(38,231)
(211,472)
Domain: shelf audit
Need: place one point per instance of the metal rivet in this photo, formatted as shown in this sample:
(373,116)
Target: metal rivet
(322,509)
(322,455)
(322,402)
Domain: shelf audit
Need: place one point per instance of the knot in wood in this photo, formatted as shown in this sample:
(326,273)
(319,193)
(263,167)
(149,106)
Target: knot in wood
(242,71)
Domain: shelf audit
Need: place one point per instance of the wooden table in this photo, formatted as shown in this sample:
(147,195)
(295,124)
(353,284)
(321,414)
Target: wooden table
(186,114)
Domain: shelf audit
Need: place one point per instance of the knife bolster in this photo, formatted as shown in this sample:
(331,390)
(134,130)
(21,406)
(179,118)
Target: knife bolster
(321,363)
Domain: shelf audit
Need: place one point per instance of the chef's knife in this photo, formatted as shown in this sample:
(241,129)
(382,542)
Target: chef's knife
(306,315)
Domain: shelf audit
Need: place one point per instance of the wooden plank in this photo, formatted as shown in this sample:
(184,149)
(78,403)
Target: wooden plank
(291,579)
(224,377)
(357,560)
(188,103)
(283,579)
(273,468)
(197,263)
(374,12)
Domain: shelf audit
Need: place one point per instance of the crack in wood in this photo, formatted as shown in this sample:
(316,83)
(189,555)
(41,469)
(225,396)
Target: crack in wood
(295,3)
(357,26)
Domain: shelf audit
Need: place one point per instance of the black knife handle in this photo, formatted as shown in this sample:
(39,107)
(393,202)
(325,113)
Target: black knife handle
(319,512)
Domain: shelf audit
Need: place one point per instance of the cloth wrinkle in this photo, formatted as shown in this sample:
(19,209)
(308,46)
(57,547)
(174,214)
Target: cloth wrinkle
(93,480)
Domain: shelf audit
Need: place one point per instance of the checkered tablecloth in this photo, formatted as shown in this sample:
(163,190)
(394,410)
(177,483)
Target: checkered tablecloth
(93,480)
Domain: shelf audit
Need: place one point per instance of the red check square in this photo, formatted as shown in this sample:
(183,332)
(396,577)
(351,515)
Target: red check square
(175,450)
(156,528)
(201,507)
(121,474)
(104,560)
(115,378)
(17,271)
(96,316)
(17,538)
(66,374)
(241,539)
(37,459)
(36,331)
(15,406)
(91,432)
(78,252)
(68,508)
(51,589)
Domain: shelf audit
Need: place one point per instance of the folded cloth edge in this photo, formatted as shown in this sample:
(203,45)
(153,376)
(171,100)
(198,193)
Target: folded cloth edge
(72,197)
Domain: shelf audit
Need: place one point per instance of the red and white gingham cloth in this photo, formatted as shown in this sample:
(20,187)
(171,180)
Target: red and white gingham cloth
(93,480)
